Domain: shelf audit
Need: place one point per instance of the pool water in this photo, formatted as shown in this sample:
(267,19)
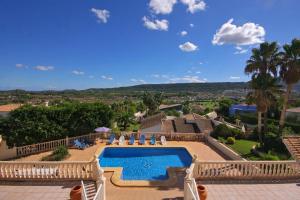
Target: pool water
(142,163)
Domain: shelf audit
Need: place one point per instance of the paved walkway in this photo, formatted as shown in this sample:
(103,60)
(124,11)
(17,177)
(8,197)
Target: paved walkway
(203,151)
(59,190)
(287,191)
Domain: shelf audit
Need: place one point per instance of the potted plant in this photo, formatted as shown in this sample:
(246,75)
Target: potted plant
(75,193)
(202,192)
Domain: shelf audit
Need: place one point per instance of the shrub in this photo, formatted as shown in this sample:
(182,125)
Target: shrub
(268,156)
(224,131)
(221,130)
(58,154)
(230,140)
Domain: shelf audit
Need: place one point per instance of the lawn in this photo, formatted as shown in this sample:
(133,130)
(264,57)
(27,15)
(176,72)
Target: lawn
(243,147)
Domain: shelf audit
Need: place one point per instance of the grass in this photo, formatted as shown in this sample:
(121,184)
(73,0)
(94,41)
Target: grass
(243,147)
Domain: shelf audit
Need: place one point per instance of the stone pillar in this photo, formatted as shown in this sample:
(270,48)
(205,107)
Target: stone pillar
(187,180)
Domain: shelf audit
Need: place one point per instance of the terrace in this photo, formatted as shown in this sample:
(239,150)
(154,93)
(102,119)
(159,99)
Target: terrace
(217,167)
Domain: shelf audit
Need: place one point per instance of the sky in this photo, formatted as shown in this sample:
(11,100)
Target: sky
(79,44)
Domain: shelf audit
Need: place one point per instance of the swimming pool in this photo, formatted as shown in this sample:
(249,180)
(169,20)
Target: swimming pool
(145,163)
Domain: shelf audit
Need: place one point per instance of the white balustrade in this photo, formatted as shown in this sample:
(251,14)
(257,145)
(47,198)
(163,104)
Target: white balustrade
(246,169)
(13,170)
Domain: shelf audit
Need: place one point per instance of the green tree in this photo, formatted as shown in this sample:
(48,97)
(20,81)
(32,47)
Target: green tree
(224,105)
(289,73)
(124,120)
(262,65)
(152,102)
(186,108)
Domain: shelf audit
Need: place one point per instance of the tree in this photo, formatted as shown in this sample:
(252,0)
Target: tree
(124,120)
(224,105)
(186,108)
(262,65)
(264,87)
(152,102)
(289,73)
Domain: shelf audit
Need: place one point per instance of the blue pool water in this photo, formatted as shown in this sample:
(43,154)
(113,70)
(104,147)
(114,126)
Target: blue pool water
(144,163)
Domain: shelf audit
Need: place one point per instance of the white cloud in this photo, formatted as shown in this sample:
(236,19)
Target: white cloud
(162,6)
(234,77)
(76,72)
(194,5)
(190,79)
(198,72)
(156,75)
(192,25)
(183,33)
(160,25)
(102,15)
(107,78)
(240,50)
(20,65)
(188,47)
(140,81)
(247,34)
(44,68)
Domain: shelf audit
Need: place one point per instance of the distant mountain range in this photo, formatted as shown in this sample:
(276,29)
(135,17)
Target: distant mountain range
(216,87)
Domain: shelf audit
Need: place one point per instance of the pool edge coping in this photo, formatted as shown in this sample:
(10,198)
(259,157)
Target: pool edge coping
(117,171)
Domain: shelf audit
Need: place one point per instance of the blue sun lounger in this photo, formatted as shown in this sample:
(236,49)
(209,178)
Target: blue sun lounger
(111,139)
(152,140)
(142,139)
(131,140)
(80,145)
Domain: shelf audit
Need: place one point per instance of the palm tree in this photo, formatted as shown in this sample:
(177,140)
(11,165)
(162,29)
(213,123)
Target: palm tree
(262,65)
(289,73)
(263,95)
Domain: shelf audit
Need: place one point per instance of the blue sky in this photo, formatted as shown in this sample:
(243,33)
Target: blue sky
(75,44)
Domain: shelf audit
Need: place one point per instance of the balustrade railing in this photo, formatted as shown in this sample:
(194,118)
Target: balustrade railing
(246,170)
(10,170)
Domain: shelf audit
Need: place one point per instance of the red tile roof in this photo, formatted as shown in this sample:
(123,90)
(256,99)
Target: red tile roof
(9,107)
(292,143)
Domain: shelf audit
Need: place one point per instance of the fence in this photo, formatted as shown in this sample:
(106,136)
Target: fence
(69,141)
(176,136)
(51,145)
(246,170)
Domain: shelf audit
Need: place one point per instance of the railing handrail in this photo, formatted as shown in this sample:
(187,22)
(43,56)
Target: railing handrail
(44,162)
(98,192)
(192,192)
(83,196)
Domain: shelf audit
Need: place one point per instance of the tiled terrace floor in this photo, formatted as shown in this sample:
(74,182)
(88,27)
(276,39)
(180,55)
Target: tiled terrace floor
(288,191)
(36,190)
(60,191)
(203,151)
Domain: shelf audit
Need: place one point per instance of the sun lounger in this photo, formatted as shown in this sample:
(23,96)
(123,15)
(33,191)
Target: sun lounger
(152,140)
(121,140)
(142,139)
(131,140)
(80,145)
(112,139)
(163,140)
